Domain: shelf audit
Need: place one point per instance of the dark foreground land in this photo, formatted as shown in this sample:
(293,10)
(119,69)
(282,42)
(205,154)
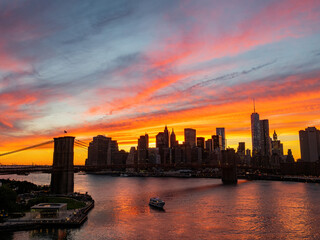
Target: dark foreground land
(17,198)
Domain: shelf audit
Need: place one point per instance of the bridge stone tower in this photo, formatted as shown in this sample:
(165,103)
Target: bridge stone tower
(62,181)
(229,167)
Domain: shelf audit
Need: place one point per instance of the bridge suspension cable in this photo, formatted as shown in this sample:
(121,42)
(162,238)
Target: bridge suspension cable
(81,143)
(26,148)
(78,143)
(80,146)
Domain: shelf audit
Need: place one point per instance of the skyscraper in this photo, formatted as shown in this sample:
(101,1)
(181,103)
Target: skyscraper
(99,151)
(166,137)
(265,141)
(216,142)
(255,133)
(276,145)
(143,145)
(190,137)
(160,140)
(209,145)
(310,144)
(143,142)
(221,132)
(200,142)
(173,141)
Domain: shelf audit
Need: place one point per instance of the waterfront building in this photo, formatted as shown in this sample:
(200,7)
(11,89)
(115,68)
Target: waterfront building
(276,145)
(241,147)
(173,141)
(160,140)
(143,142)
(132,159)
(154,156)
(209,145)
(289,157)
(216,142)
(99,151)
(241,151)
(265,142)
(221,132)
(166,137)
(49,210)
(143,145)
(190,137)
(310,144)
(255,133)
(162,143)
(248,152)
(200,142)
(248,156)
(62,176)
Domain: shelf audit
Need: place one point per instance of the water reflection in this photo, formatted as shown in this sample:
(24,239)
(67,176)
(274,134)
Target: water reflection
(195,209)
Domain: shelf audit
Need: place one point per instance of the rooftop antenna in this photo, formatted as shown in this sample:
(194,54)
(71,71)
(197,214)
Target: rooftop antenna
(254,106)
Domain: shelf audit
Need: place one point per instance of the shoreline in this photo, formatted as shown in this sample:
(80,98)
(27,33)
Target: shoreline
(75,221)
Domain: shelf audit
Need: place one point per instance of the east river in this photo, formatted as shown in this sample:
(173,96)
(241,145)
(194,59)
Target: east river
(196,208)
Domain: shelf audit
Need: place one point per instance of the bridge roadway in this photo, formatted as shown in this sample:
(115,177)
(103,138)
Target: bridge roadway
(147,166)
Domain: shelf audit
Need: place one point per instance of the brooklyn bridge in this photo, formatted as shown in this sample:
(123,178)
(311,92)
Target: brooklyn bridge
(63,160)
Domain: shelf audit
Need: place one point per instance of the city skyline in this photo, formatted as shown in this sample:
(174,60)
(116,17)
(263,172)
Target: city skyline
(124,69)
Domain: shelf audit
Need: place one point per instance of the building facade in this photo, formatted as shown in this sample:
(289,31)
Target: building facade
(222,133)
(310,144)
(255,133)
(99,151)
(190,137)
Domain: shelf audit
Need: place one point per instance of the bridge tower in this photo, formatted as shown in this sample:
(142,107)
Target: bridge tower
(62,177)
(229,167)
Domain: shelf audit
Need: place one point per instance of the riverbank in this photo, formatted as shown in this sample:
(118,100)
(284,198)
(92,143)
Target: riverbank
(75,219)
(268,177)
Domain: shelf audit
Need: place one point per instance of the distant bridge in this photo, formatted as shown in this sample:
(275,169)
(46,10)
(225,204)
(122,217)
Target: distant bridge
(228,168)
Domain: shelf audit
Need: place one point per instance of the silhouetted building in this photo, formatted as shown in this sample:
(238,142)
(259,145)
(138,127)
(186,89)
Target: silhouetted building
(289,158)
(209,146)
(241,152)
(255,133)
(154,156)
(143,142)
(310,144)
(248,152)
(173,141)
(162,143)
(248,157)
(277,151)
(221,132)
(276,145)
(166,137)
(200,142)
(241,147)
(160,140)
(190,137)
(62,177)
(265,142)
(132,159)
(217,142)
(143,145)
(99,151)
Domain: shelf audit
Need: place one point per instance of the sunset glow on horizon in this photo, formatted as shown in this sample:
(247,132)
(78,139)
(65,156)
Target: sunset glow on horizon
(126,68)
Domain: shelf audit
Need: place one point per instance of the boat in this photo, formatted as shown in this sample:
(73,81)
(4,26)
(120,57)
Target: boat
(156,202)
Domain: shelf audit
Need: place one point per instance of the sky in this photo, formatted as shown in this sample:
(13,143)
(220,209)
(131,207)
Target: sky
(125,68)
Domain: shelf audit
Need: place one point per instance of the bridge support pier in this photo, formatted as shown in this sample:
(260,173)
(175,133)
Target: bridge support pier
(229,175)
(62,176)
(229,167)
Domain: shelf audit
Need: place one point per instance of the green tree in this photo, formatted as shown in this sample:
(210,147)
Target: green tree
(8,199)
